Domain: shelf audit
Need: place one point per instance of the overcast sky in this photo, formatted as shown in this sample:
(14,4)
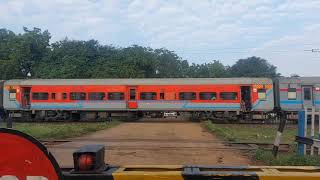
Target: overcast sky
(199,31)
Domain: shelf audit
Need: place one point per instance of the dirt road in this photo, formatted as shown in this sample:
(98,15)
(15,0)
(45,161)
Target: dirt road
(155,143)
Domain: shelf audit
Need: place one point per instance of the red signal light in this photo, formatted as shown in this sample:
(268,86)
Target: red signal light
(89,159)
(86,162)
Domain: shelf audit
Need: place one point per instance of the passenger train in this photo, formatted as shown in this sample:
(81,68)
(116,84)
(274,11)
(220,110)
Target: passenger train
(100,99)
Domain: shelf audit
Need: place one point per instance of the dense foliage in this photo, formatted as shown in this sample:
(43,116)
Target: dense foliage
(30,55)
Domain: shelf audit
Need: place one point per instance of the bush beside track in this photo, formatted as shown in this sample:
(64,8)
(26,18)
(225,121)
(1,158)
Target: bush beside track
(54,131)
(263,134)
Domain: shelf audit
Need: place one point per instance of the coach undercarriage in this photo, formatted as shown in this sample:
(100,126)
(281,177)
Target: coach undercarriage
(76,115)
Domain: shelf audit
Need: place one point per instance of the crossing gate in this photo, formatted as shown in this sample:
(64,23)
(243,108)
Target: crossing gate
(309,139)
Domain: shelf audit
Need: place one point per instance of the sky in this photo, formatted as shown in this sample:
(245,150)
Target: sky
(281,31)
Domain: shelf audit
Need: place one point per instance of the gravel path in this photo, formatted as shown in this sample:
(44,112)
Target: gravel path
(155,143)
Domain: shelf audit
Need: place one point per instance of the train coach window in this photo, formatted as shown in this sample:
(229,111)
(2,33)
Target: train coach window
(148,96)
(262,94)
(115,96)
(12,94)
(292,93)
(78,96)
(208,96)
(307,93)
(96,95)
(40,96)
(229,95)
(187,96)
(64,96)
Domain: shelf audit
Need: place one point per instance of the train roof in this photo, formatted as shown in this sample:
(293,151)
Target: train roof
(149,81)
(300,80)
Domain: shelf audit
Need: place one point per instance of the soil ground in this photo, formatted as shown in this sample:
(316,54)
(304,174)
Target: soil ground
(156,143)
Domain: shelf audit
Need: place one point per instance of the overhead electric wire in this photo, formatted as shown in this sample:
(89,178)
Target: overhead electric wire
(238,50)
(313,50)
(250,48)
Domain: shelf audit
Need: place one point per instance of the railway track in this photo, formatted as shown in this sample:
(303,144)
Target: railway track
(170,121)
(182,119)
(161,144)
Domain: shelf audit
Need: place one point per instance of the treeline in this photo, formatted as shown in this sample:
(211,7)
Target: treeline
(31,55)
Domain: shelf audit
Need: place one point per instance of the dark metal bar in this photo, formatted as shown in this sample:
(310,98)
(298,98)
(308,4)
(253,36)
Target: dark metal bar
(9,121)
(279,134)
(301,128)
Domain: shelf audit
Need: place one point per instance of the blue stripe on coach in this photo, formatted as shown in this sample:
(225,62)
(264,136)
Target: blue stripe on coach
(290,102)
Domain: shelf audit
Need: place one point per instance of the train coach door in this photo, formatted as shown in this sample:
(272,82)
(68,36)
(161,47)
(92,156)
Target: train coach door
(246,98)
(132,97)
(307,96)
(25,97)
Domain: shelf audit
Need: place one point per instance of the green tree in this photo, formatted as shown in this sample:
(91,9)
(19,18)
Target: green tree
(20,53)
(253,67)
(31,53)
(213,69)
(32,47)
(131,62)
(9,66)
(169,64)
(69,59)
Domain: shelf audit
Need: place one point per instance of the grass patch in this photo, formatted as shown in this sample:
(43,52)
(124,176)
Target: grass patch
(223,132)
(61,130)
(255,133)
(286,159)
(263,133)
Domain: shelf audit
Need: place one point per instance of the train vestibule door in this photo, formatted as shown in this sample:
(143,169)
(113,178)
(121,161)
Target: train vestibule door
(307,96)
(25,97)
(246,98)
(132,97)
